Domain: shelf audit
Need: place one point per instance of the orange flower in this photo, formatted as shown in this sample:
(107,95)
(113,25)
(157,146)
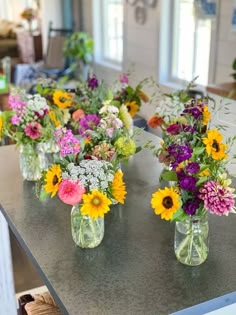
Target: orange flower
(155,121)
(78,114)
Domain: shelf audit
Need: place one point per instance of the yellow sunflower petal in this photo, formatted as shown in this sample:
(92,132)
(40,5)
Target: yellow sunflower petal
(118,187)
(132,107)
(165,202)
(53,180)
(95,204)
(62,99)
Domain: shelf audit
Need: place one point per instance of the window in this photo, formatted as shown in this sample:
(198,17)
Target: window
(109,40)
(191,43)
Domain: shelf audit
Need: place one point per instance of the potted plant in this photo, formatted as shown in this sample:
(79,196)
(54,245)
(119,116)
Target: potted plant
(79,49)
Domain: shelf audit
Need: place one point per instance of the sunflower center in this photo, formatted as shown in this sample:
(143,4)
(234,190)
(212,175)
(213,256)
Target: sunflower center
(96,201)
(167,202)
(55,180)
(129,108)
(215,145)
(62,99)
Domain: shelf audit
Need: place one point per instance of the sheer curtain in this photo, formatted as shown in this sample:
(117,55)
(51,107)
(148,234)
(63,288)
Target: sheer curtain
(11,9)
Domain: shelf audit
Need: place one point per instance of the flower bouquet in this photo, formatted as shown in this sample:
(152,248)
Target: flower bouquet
(89,185)
(131,97)
(195,156)
(29,125)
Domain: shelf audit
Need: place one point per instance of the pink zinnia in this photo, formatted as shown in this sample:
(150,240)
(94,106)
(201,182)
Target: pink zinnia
(71,192)
(217,199)
(33,130)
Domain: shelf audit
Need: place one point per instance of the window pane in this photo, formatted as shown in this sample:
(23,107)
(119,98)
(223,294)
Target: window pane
(113,30)
(191,43)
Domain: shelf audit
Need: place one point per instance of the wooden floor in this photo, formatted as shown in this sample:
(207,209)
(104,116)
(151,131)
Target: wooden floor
(25,276)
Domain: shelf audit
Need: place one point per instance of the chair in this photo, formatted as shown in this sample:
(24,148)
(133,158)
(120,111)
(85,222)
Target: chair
(56,65)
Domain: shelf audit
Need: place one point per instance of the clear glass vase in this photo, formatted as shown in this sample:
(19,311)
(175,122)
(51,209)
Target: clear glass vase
(33,161)
(191,240)
(86,232)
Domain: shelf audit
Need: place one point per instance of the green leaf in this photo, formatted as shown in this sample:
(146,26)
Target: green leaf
(169,176)
(43,195)
(201,180)
(198,151)
(138,149)
(179,215)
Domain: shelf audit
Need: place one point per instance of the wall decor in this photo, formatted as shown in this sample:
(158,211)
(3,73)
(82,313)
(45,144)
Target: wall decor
(140,11)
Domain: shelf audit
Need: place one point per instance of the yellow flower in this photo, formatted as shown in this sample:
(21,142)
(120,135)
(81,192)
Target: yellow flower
(206,115)
(95,204)
(118,187)
(125,116)
(204,173)
(214,147)
(143,96)
(1,126)
(54,119)
(132,107)
(53,179)
(165,202)
(62,99)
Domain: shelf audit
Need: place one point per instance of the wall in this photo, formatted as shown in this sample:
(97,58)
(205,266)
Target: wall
(226,46)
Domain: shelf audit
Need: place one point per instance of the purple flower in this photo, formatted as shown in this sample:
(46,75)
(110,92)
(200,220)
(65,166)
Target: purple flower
(179,153)
(217,199)
(191,206)
(93,82)
(188,183)
(88,122)
(192,168)
(175,129)
(194,111)
(42,114)
(123,78)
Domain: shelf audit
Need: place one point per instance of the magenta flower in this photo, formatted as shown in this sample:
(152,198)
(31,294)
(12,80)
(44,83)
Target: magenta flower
(71,192)
(123,78)
(15,102)
(93,82)
(33,130)
(88,122)
(217,199)
(67,142)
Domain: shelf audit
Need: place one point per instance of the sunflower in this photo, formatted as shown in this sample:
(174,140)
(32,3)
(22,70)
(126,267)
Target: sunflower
(206,115)
(165,202)
(62,99)
(118,187)
(53,179)
(1,127)
(214,147)
(132,107)
(95,204)
(54,119)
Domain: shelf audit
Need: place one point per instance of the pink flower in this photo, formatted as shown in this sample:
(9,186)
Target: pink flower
(123,78)
(15,102)
(71,192)
(110,132)
(33,130)
(15,120)
(217,199)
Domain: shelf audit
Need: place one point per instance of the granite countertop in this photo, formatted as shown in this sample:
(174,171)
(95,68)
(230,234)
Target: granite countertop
(134,270)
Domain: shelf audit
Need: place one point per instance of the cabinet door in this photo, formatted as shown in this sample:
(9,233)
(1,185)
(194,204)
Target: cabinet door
(26,47)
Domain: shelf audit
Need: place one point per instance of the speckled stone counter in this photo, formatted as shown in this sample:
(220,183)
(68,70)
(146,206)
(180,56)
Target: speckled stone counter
(134,270)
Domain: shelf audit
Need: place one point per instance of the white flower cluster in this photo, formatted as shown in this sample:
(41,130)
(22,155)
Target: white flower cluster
(37,103)
(110,116)
(92,174)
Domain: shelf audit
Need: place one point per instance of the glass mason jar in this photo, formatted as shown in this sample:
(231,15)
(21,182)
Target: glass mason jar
(50,148)
(191,240)
(86,232)
(32,161)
